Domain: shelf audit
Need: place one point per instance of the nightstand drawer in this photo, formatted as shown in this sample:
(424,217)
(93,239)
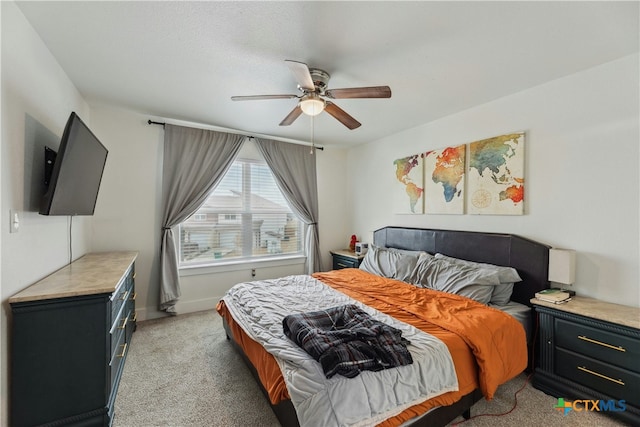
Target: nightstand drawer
(600,344)
(344,262)
(618,383)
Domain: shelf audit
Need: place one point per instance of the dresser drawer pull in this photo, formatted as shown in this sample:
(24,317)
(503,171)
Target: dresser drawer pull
(135,317)
(124,350)
(582,368)
(124,323)
(124,296)
(133,297)
(342,265)
(604,344)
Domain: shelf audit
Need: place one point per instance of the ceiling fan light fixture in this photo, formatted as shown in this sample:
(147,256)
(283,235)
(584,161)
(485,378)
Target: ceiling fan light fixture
(312,104)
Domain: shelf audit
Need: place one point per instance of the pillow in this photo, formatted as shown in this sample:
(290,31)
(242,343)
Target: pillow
(502,294)
(508,276)
(475,283)
(391,263)
(421,268)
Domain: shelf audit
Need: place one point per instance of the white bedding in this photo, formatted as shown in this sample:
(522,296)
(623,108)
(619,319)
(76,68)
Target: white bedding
(259,307)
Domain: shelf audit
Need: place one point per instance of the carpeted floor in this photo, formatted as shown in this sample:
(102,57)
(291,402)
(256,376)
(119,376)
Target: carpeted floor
(177,374)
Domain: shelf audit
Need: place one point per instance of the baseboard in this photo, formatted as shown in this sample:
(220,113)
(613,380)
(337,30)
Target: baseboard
(183,307)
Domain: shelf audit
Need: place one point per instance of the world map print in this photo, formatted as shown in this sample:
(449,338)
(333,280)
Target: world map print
(444,180)
(408,190)
(496,175)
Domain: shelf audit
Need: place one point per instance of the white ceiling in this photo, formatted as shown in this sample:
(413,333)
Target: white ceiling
(184,60)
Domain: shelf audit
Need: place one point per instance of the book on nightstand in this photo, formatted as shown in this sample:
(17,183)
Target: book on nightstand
(556,296)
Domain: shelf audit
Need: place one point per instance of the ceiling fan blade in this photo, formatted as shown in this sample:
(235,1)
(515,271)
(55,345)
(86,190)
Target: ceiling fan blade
(359,92)
(258,97)
(292,116)
(301,72)
(341,115)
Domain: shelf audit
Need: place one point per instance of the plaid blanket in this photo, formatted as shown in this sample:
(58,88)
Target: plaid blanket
(346,340)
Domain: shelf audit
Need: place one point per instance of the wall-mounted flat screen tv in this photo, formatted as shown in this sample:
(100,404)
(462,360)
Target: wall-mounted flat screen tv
(72,188)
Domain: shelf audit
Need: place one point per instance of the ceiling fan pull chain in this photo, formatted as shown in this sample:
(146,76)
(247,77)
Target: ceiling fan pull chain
(312,143)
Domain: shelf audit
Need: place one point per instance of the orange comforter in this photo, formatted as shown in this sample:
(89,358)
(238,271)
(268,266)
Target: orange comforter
(479,338)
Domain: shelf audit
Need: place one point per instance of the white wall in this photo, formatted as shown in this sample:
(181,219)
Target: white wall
(37,98)
(128,211)
(581,179)
(581,172)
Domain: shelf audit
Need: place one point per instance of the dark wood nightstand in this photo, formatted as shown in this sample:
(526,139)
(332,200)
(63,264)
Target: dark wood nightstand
(590,350)
(344,258)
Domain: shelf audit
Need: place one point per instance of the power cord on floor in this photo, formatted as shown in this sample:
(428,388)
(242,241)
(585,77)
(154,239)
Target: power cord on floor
(515,395)
(515,404)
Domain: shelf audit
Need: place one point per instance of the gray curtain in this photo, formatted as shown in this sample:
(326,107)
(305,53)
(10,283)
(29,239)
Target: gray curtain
(294,169)
(195,160)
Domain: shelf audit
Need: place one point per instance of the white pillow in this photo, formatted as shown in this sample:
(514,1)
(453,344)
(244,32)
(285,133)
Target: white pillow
(391,263)
(508,276)
(475,283)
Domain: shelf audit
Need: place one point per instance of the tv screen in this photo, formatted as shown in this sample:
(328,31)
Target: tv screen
(77,171)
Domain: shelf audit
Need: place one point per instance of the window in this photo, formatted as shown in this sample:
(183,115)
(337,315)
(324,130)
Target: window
(246,217)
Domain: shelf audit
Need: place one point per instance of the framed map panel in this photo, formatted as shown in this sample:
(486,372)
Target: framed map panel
(444,180)
(409,185)
(495,183)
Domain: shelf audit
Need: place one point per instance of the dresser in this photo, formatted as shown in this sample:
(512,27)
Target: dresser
(590,350)
(344,258)
(70,333)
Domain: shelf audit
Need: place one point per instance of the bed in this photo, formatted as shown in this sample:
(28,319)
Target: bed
(527,257)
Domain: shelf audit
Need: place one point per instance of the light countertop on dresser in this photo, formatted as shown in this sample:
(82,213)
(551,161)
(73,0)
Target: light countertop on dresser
(93,273)
(596,309)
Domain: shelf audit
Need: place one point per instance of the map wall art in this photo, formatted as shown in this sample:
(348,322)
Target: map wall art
(444,180)
(409,185)
(495,178)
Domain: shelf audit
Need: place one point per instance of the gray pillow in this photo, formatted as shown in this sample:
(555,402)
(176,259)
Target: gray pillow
(502,294)
(421,268)
(391,263)
(508,276)
(475,283)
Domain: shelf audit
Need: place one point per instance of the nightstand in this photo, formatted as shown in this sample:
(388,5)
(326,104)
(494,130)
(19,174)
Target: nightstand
(344,258)
(590,350)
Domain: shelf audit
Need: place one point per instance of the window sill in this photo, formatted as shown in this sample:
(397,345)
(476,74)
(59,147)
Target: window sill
(223,267)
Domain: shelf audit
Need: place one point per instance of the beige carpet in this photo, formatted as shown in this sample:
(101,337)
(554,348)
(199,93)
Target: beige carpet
(177,374)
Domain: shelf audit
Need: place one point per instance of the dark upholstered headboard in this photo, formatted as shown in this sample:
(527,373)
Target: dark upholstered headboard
(530,258)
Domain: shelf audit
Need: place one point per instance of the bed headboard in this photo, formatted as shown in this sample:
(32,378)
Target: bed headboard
(530,258)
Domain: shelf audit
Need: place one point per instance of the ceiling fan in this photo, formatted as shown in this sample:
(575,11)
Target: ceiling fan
(312,82)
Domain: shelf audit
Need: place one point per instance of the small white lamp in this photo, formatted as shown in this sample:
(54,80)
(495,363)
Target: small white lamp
(562,267)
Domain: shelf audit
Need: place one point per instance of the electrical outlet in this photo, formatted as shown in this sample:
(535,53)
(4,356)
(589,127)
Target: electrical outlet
(14,221)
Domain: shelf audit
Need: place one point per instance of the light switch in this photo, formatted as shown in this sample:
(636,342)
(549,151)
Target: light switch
(14,221)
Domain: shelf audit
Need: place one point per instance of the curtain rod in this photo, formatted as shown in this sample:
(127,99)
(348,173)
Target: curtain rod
(151,122)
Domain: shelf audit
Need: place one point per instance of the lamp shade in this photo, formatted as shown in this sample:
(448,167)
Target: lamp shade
(562,266)
(312,104)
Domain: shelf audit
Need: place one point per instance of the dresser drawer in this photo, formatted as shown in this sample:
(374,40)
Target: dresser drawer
(616,382)
(599,344)
(118,299)
(118,353)
(119,326)
(123,293)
